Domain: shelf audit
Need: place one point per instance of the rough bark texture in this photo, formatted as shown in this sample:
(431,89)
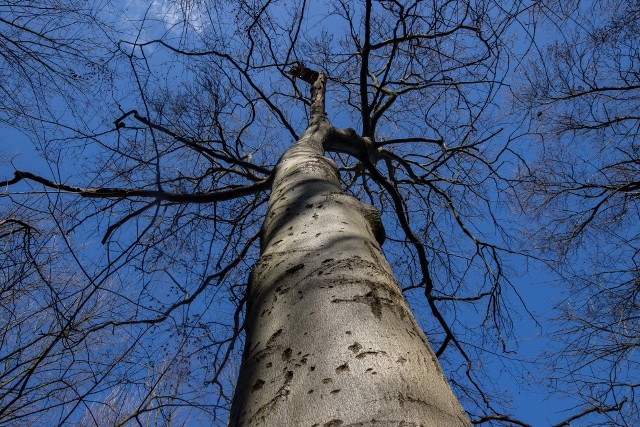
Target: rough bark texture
(330,338)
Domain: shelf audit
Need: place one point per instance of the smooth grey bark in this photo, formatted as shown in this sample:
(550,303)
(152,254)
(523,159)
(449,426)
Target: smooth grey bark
(330,339)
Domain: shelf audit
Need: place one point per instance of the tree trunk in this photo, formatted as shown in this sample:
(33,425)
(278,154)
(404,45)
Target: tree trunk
(330,339)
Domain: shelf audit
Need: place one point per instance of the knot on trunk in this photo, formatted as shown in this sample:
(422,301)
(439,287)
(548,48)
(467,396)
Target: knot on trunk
(347,140)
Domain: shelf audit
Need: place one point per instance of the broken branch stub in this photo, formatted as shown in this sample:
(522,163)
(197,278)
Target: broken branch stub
(304,73)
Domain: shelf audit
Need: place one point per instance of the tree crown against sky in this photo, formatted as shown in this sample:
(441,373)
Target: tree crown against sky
(127,255)
(582,184)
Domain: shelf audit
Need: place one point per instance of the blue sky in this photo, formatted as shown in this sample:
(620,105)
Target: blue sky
(537,287)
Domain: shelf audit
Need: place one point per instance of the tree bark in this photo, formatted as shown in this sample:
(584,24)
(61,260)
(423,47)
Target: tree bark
(330,339)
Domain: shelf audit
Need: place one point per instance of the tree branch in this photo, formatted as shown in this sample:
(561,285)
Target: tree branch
(124,193)
(318,81)
(588,411)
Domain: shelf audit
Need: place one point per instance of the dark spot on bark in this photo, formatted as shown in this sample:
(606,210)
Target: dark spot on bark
(286,355)
(274,336)
(312,368)
(333,423)
(294,269)
(289,376)
(342,368)
(401,360)
(372,299)
(277,243)
(327,380)
(258,385)
(374,303)
(269,365)
(282,291)
(327,260)
(336,391)
(309,206)
(318,234)
(369,353)
(355,347)
(310,391)
(348,332)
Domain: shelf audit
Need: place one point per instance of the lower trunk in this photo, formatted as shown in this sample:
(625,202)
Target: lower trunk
(330,338)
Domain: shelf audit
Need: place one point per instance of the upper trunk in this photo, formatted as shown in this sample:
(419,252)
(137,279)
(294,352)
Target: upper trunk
(330,339)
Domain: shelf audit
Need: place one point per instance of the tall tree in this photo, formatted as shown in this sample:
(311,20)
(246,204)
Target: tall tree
(325,317)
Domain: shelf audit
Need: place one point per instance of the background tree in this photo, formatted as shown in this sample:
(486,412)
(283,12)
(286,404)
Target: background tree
(53,56)
(581,92)
(127,258)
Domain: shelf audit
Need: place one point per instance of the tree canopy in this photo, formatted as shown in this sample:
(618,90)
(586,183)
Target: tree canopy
(495,138)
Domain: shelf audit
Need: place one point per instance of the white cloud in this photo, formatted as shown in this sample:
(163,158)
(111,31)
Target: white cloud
(152,19)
